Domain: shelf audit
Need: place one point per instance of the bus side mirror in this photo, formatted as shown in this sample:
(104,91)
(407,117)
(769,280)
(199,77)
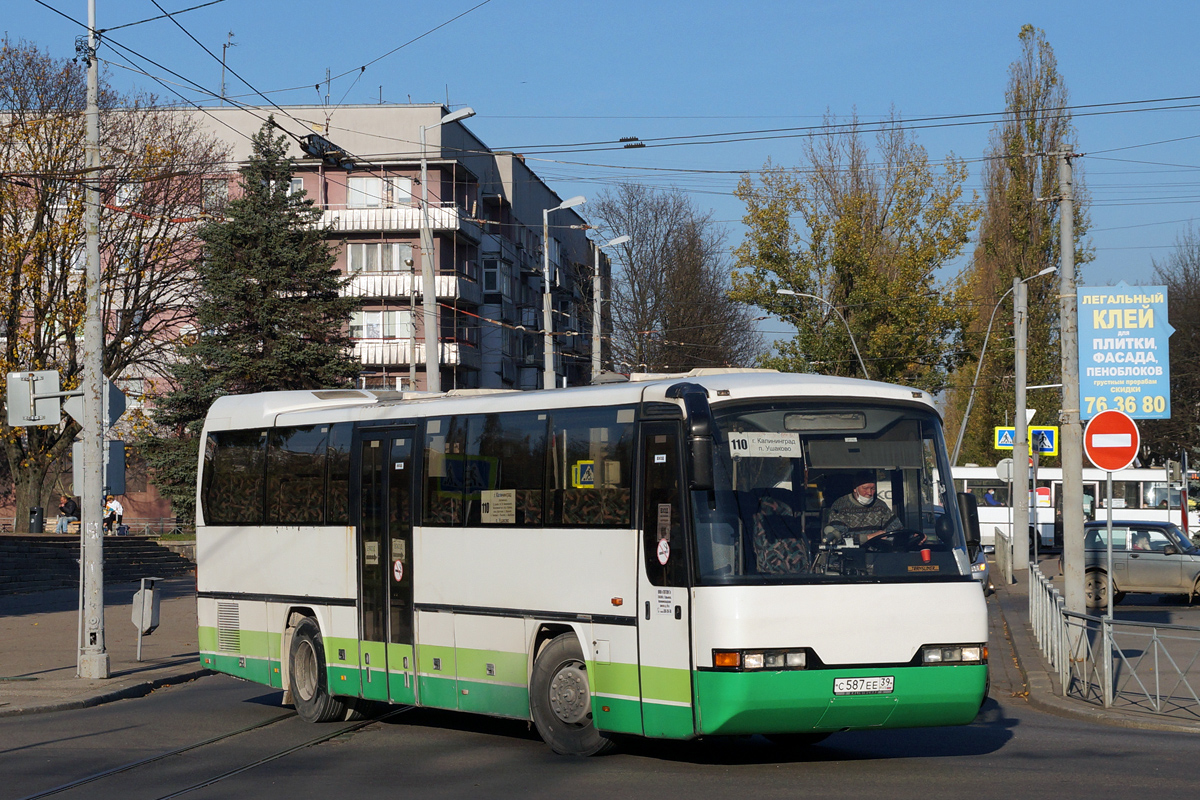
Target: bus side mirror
(702,463)
(969,511)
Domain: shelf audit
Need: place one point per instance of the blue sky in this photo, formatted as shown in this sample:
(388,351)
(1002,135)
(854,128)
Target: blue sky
(542,72)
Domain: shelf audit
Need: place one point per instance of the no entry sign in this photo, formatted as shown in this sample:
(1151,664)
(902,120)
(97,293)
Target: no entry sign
(1111,440)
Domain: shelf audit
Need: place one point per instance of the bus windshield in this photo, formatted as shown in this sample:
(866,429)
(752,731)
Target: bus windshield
(827,494)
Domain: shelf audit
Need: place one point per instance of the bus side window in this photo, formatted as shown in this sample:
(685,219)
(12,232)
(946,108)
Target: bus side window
(234,477)
(444,476)
(591,458)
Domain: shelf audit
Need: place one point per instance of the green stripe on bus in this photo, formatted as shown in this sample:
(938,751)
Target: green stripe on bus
(496,699)
(617,714)
(663,683)
(667,721)
(250,643)
(438,692)
(798,701)
(255,669)
(509,667)
(614,678)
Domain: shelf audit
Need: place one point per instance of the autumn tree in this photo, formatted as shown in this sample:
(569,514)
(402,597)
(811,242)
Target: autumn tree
(1019,237)
(269,308)
(670,305)
(870,234)
(154,164)
(1180,272)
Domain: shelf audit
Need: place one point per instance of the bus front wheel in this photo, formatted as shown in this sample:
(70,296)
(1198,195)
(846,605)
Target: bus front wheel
(560,700)
(306,676)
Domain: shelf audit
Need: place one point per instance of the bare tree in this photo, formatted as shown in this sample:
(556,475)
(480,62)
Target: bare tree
(670,304)
(155,162)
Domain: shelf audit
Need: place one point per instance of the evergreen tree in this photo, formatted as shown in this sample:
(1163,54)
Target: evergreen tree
(269,312)
(1019,237)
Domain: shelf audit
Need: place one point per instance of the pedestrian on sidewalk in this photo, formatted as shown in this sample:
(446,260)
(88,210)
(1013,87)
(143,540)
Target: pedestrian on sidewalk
(68,512)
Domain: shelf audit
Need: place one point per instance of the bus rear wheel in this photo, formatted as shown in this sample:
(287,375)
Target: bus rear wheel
(306,676)
(560,700)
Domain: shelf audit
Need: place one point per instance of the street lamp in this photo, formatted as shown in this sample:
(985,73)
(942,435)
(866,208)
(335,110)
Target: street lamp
(971,398)
(833,308)
(547,323)
(596,300)
(433,375)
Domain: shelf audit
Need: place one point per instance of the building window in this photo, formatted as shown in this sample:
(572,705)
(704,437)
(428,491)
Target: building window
(380,257)
(378,192)
(380,324)
(364,193)
(296,186)
(215,193)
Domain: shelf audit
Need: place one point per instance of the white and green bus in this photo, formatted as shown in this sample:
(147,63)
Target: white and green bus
(655,557)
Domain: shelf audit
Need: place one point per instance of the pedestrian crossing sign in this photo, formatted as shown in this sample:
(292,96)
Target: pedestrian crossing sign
(1044,436)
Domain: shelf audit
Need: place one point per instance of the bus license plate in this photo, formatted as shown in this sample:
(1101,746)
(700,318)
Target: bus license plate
(883,684)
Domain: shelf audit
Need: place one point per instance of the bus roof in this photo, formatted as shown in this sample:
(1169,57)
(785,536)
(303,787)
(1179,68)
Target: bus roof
(266,409)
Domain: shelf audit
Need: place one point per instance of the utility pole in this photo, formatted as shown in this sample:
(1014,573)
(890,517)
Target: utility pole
(1020,531)
(93,658)
(1068,420)
(228,44)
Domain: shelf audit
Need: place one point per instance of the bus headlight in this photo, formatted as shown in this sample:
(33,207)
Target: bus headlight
(954,654)
(760,659)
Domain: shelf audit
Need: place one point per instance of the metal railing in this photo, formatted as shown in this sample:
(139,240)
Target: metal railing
(1125,664)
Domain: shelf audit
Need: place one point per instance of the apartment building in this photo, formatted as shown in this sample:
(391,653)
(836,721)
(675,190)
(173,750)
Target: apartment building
(484,215)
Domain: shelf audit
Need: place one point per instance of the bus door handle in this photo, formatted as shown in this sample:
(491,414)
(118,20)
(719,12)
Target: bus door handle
(647,609)
(678,612)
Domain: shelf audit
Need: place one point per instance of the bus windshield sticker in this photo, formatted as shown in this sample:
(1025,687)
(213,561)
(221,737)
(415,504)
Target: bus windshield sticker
(660,458)
(765,445)
(664,522)
(666,601)
(398,549)
(371,553)
(664,552)
(398,570)
(498,506)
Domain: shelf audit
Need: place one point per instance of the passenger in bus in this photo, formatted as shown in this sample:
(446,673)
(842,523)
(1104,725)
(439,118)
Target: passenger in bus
(779,546)
(860,514)
(989,497)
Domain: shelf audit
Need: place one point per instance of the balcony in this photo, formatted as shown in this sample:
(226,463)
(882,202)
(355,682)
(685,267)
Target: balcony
(395,353)
(402,218)
(400,284)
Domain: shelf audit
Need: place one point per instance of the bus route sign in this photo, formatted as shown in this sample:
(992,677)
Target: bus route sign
(1124,363)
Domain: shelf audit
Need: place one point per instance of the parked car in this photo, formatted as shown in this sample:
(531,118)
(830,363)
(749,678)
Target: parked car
(1146,557)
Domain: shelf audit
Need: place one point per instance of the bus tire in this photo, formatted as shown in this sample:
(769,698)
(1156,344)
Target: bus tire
(560,700)
(307,677)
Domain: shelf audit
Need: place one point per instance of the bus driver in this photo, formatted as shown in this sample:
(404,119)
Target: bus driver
(860,514)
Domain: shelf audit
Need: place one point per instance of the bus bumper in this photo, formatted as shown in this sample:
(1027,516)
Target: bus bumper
(799,701)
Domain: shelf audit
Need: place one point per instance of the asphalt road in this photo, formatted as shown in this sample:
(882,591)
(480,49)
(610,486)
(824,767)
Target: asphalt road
(1011,751)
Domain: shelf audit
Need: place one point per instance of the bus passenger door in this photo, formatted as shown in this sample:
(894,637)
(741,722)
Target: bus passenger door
(385,559)
(664,609)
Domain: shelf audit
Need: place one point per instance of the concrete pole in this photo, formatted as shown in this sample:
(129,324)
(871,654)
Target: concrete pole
(596,294)
(548,373)
(1020,532)
(1069,425)
(93,658)
(433,374)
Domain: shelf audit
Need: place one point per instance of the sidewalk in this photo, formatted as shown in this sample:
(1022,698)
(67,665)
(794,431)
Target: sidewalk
(38,655)
(1011,604)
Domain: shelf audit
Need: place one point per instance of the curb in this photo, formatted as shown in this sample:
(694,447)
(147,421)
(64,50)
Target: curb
(1040,687)
(139,689)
